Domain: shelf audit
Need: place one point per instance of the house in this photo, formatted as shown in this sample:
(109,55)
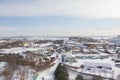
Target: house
(68,58)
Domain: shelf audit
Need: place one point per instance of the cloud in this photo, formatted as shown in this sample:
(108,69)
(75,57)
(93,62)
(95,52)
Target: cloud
(71,8)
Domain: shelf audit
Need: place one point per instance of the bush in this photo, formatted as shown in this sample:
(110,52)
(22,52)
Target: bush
(97,78)
(7,72)
(79,77)
(61,72)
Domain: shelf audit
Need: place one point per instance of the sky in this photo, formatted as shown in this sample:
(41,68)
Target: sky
(59,17)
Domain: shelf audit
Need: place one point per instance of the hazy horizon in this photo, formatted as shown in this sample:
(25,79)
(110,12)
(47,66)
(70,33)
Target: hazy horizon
(59,18)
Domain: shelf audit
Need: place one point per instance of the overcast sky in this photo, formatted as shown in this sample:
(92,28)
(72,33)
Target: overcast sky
(60,17)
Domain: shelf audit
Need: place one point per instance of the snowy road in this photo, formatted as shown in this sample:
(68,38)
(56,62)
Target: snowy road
(73,74)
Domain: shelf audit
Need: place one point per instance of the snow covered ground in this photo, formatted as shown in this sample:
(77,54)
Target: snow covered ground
(2,66)
(23,73)
(114,72)
(72,75)
(1,77)
(20,50)
(49,73)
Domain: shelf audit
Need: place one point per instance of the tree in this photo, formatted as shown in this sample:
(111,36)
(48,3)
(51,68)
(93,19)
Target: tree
(61,72)
(79,77)
(82,66)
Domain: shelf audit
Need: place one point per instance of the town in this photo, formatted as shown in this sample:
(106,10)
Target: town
(59,40)
(28,58)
